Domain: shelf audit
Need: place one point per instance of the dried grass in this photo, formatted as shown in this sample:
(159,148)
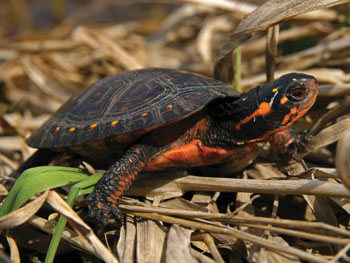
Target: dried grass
(283,212)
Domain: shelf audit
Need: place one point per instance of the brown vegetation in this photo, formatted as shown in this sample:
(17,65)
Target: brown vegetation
(273,211)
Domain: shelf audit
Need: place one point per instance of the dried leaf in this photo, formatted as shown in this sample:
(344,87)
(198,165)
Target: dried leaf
(15,257)
(330,116)
(342,158)
(267,15)
(157,185)
(69,235)
(21,215)
(150,241)
(126,242)
(327,136)
(209,240)
(107,46)
(264,255)
(233,6)
(205,37)
(179,245)
(62,207)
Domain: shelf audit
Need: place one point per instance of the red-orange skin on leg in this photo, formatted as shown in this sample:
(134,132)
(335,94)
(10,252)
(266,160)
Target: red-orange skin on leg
(195,153)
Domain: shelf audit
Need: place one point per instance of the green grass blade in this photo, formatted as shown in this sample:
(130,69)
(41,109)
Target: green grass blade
(86,186)
(36,180)
(39,179)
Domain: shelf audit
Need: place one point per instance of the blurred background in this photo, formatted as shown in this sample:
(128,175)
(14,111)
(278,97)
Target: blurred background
(51,49)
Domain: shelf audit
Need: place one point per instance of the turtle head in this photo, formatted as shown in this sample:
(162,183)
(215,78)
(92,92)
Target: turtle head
(286,99)
(273,107)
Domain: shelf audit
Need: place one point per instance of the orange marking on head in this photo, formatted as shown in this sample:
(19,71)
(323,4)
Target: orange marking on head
(286,123)
(114,123)
(93,126)
(240,143)
(57,129)
(283,100)
(170,106)
(144,114)
(286,118)
(72,129)
(264,109)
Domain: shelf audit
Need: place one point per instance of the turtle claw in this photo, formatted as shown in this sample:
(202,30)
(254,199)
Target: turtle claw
(91,197)
(302,138)
(300,141)
(102,209)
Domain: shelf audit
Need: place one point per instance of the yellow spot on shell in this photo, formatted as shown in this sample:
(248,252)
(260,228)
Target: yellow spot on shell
(72,129)
(244,99)
(114,123)
(274,90)
(57,129)
(170,106)
(144,114)
(294,79)
(93,126)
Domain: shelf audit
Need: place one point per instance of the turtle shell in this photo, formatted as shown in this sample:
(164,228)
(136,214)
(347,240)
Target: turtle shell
(128,102)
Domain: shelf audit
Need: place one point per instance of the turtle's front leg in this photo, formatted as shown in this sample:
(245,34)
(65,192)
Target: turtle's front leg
(103,201)
(289,142)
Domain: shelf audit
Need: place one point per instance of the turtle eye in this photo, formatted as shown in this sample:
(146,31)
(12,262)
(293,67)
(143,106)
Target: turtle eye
(297,93)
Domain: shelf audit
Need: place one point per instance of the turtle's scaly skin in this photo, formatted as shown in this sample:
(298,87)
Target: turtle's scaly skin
(155,119)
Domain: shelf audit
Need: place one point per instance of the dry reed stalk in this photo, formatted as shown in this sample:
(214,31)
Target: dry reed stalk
(40,70)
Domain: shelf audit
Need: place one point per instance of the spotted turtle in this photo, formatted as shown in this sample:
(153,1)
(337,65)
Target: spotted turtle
(154,119)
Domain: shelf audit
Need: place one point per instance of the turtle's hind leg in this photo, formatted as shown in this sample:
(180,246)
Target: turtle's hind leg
(117,180)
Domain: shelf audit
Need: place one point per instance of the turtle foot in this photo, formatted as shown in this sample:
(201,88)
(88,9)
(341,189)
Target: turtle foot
(301,140)
(101,209)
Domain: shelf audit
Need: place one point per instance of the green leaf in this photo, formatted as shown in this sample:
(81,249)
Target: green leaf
(36,180)
(85,186)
